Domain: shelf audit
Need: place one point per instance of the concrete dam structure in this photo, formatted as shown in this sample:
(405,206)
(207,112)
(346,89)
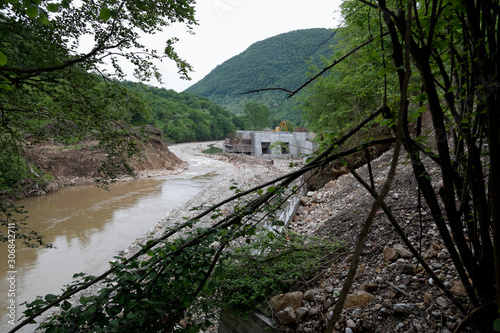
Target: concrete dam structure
(270,144)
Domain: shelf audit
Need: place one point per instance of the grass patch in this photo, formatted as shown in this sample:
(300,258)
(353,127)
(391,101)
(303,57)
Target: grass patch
(212,150)
(272,264)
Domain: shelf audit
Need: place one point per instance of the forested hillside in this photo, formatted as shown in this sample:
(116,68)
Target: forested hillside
(184,116)
(281,61)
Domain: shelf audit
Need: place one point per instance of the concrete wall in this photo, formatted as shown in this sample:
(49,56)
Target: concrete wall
(257,323)
(267,144)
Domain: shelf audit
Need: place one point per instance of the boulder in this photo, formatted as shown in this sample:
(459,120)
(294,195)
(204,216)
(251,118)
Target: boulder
(358,298)
(283,301)
(287,316)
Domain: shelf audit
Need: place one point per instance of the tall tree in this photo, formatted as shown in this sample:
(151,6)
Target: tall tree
(257,116)
(444,56)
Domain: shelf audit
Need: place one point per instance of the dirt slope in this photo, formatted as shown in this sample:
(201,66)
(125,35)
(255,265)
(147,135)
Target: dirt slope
(79,164)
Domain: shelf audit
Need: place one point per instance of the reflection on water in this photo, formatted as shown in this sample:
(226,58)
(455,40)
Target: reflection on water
(88,226)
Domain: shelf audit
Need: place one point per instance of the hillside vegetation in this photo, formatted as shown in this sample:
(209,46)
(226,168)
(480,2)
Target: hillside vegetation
(281,61)
(183,116)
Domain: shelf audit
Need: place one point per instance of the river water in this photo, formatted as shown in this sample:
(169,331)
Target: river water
(88,226)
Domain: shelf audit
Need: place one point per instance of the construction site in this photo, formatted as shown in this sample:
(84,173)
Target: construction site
(279,143)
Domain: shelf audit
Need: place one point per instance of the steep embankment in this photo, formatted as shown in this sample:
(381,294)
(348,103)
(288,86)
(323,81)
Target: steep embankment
(79,164)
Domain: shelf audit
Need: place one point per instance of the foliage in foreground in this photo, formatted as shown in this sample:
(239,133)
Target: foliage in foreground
(168,281)
(271,264)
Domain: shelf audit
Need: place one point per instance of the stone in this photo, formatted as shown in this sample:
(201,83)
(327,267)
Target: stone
(403,252)
(436,314)
(358,298)
(407,269)
(458,289)
(305,201)
(282,301)
(350,324)
(428,298)
(387,303)
(313,311)
(390,254)
(309,295)
(400,262)
(441,302)
(301,312)
(369,287)
(436,265)
(442,255)
(328,289)
(403,308)
(287,316)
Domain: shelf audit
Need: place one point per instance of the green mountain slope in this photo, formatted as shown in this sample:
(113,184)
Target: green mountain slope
(183,116)
(281,61)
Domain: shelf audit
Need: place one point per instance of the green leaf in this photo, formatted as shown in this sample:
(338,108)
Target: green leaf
(32,12)
(43,19)
(50,297)
(53,7)
(105,14)
(3,59)
(271,189)
(66,305)
(496,325)
(5,87)
(421,109)
(382,72)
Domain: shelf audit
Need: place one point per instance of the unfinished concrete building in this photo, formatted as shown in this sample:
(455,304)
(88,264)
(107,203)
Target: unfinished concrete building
(270,144)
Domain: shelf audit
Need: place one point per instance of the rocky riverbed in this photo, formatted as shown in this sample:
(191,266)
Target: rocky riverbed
(244,171)
(391,293)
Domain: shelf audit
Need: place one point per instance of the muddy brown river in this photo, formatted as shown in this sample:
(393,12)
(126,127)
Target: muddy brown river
(88,226)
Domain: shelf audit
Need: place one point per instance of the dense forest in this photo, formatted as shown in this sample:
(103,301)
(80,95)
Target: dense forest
(281,61)
(184,116)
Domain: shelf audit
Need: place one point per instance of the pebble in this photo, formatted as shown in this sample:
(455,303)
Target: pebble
(403,308)
(351,324)
(407,269)
(441,302)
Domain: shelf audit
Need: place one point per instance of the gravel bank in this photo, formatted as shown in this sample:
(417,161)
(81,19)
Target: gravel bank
(247,172)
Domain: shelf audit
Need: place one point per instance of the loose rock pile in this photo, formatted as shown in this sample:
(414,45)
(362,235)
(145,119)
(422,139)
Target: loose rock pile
(391,292)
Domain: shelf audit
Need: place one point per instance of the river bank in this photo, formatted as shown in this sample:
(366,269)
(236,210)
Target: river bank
(223,172)
(391,292)
(54,166)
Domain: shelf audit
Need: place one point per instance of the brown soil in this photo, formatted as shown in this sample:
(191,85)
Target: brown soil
(79,164)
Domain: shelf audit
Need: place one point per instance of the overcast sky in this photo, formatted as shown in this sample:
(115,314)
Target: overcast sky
(228,27)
